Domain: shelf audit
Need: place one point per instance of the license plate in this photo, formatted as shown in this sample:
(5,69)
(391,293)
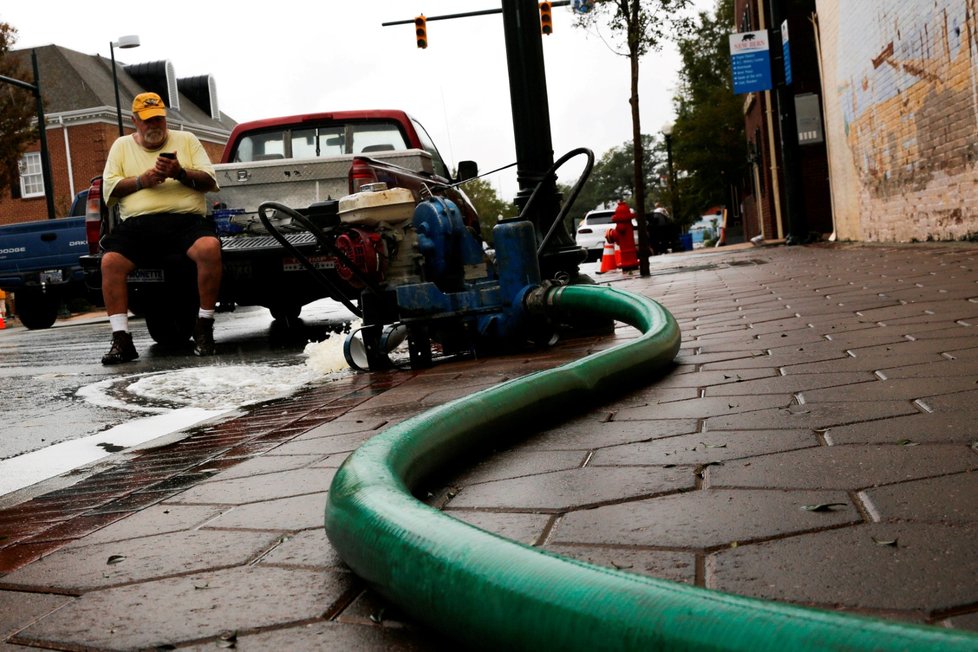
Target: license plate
(147,276)
(290,264)
(51,276)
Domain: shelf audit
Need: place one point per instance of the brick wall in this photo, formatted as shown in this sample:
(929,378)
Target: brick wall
(89,145)
(900,84)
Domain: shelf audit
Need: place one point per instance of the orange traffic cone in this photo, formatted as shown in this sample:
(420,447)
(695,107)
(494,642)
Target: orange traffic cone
(3,324)
(608,259)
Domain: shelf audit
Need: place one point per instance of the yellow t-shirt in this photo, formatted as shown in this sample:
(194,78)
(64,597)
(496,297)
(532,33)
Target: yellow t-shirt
(128,159)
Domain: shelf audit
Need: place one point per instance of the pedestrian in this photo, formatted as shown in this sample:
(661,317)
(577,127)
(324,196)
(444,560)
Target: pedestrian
(158,178)
(658,230)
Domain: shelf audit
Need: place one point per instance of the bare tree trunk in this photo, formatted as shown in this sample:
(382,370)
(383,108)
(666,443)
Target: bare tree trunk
(632,12)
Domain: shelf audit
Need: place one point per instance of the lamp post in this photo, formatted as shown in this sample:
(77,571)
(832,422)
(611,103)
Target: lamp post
(124,42)
(667,132)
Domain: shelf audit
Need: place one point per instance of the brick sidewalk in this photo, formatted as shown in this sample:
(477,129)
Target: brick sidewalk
(814,444)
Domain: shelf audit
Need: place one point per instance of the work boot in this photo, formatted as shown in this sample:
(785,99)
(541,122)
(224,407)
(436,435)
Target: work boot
(122,349)
(204,337)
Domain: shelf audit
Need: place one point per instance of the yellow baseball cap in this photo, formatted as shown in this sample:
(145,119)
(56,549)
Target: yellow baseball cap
(148,105)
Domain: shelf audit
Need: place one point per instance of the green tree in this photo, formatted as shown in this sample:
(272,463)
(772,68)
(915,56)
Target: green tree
(643,25)
(709,145)
(613,178)
(16,111)
(488,205)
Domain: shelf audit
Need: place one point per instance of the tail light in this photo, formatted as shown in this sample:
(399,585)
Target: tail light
(584,229)
(93,216)
(361,173)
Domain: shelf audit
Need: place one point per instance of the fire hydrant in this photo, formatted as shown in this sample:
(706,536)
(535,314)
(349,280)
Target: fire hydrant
(625,236)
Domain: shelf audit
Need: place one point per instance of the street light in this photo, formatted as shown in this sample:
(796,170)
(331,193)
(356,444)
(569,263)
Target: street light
(667,132)
(124,42)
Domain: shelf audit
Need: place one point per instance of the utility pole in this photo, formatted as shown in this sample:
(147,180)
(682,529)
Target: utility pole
(35,88)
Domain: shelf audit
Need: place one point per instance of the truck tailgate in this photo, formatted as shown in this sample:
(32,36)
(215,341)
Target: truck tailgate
(41,246)
(298,183)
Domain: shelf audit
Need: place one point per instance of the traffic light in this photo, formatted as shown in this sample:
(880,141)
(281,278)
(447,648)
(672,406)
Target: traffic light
(546,18)
(421,31)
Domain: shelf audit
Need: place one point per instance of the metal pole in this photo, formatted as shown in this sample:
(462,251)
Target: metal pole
(531,127)
(115,85)
(42,129)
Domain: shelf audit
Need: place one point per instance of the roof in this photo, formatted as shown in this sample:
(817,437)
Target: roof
(73,82)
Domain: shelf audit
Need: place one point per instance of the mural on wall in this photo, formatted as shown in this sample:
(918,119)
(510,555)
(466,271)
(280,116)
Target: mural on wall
(908,91)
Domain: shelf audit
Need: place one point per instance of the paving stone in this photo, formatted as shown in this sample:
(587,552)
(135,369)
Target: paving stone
(270,463)
(702,408)
(19,609)
(965,621)
(844,467)
(239,491)
(588,432)
(158,519)
(790,384)
(701,448)
(579,488)
(705,519)
(524,528)
(931,568)
(334,636)
(816,416)
(891,390)
(309,548)
(921,428)
(305,445)
(711,378)
(948,499)
(519,462)
(170,611)
(665,564)
(136,560)
(284,514)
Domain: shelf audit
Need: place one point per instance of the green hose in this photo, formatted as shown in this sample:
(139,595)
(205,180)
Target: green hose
(491,592)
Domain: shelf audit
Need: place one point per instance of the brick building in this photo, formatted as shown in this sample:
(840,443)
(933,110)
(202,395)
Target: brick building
(895,88)
(80,112)
(901,112)
(787,193)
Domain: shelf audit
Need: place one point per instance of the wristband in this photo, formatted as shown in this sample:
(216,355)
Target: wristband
(139,183)
(182,175)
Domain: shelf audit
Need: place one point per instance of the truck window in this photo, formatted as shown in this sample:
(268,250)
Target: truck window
(376,137)
(429,146)
(321,141)
(260,147)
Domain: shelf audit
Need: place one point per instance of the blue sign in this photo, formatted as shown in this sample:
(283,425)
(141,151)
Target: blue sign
(750,56)
(786,52)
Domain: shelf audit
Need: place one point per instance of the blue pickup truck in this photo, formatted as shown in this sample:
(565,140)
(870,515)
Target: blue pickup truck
(39,264)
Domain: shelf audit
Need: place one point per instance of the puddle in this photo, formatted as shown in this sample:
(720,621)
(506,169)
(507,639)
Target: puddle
(169,402)
(217,387)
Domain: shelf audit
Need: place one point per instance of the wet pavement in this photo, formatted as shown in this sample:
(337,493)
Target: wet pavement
(814,443)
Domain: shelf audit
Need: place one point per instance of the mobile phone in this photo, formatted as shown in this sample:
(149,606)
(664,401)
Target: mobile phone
(170,155)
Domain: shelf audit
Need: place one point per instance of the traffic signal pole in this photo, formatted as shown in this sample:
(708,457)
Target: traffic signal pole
(531,129)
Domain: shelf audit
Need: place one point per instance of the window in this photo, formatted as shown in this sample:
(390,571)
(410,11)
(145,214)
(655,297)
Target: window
(31,178)
(322,141)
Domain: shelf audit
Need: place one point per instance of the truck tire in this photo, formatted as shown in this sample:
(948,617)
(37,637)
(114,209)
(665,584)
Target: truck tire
(285,312)
(172,326)
(37,310)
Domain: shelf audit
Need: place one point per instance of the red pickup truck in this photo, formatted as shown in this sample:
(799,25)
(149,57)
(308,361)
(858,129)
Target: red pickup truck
(305,163)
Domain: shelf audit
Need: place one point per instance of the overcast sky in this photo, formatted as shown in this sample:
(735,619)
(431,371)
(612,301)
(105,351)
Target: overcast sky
(291,57)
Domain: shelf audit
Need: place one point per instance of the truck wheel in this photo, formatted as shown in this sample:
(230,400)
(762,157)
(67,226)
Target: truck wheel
(285,312)
(173,326)
(37,311)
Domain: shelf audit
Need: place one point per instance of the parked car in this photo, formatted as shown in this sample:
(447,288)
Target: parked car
(591,232)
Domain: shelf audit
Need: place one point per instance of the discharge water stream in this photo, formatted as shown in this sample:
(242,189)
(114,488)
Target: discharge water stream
(168,402)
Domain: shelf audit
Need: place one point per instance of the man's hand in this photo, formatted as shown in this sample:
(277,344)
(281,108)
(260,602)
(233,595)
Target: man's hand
(167,166)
